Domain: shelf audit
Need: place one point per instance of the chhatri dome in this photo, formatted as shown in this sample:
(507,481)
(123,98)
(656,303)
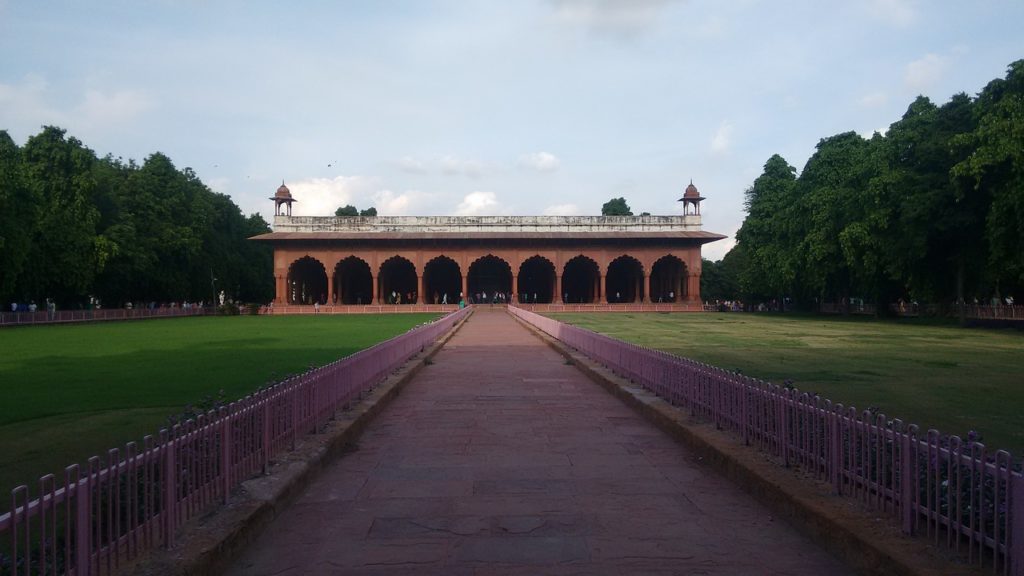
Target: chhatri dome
(283,196)
(691,197)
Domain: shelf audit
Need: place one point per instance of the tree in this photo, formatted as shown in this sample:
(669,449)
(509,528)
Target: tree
(371,211)
(17,218)
(995,167)
(347,210)
(933,210)
(119,231)
(771,232)
(835,250)
(58,173)
(616,207)
(928,238)
(721,280)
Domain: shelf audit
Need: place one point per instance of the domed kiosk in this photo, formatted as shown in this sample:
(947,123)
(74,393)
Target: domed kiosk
(282,196)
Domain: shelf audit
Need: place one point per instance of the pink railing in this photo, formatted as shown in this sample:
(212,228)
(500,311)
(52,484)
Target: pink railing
(96,518)
(695,306)
(955,491)
(999,312)
(359,309)
(65,316)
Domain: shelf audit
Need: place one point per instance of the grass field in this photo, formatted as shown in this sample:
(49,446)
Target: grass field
(937,376)
(72,391)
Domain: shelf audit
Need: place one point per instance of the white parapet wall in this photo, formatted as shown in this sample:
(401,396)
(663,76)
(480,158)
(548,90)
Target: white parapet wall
(414,224)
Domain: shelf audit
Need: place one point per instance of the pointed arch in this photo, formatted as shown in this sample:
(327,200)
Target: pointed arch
(624,282)
(581,281)
(536,280)
(442,280)
(488,275)
(668,280)
(353,282)
(307,281)
(397,281)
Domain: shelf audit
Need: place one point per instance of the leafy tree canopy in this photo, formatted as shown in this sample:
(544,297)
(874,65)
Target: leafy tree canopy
(616,207)
(119,232)
(350,210)
(931,211)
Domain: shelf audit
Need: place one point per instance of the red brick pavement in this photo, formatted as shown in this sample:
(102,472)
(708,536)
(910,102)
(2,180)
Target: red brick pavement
(499,458)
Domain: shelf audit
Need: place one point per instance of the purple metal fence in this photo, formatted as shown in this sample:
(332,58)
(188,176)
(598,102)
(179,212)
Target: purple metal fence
(100,516)
(66,316)
(954,491)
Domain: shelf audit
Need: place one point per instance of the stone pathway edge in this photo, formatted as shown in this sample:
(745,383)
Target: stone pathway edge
(209,544)
(866,542)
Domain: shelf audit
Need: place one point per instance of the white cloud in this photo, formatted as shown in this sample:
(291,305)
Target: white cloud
(899,13)
(722,139)
(715,251)
(454,166)
(562,210)
(478,204)
(410,202)
(625,18)
(412,165)
(924,72)
(960,49)
(23,108)
(874,100)
(219,184)
(540,161)
(869,134)
(103,109)
(322,196)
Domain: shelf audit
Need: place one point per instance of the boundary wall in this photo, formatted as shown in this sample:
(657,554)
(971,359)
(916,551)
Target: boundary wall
(954,491)
(71,316)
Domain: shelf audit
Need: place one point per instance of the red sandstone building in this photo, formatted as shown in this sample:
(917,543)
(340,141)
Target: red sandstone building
(573,260)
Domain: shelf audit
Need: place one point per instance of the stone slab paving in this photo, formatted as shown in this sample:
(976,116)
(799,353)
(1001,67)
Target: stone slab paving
(500,458)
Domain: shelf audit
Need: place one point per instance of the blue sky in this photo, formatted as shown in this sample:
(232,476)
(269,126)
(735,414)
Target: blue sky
(487,107)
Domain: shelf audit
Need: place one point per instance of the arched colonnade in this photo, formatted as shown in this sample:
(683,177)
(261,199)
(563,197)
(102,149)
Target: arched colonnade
(542,277)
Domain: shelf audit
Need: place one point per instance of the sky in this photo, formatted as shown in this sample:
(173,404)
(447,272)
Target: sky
(481,107)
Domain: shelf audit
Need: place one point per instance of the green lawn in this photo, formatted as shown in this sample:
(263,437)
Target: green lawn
(944,377)
(72,391)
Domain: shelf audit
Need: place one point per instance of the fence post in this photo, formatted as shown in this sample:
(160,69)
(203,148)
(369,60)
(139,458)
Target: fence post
(784,426)
(907,483)
(836,459)
(266,433)
(745,410)
(225,452)
(293,397)
(83,528)
(1015,542)
(170,488)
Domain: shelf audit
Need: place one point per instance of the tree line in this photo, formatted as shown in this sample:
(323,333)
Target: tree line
(931,211)
(75,228)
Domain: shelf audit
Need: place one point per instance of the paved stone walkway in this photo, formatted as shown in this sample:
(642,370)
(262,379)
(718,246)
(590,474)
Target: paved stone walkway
(502,459)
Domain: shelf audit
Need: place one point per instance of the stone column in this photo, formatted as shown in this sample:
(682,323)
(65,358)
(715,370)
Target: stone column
(281,290)
(515,287)
(375,294)
(420,298)
(640,288)
(693,288)
(602,289)
(558,290)
(330,289)
(465,286)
